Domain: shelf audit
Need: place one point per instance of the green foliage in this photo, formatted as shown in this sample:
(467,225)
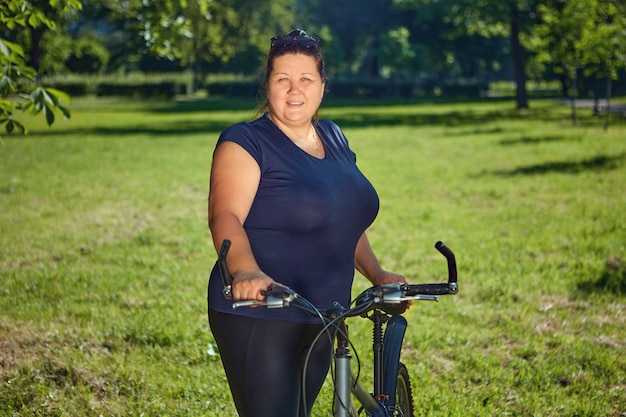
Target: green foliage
(466,23)
(582,34)
(105,253)
(604,47)
(563,30)
(17,13)
(200,32)
(89,56)
(18,89)
(397,53)
(48,101)
(456,42)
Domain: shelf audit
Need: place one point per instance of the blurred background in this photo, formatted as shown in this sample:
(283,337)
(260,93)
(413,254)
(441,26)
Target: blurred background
(374,48)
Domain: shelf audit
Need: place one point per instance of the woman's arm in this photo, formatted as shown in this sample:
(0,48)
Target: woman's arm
(235,177)
(367,264)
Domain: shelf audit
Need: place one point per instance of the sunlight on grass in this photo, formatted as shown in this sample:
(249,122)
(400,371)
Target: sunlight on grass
(105,253)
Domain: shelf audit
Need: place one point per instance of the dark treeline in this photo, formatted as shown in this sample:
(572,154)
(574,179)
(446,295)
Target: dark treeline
(404,47)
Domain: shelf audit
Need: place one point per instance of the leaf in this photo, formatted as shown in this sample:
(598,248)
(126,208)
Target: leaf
(6,107)
(7,87)
(20,127)
(49,114)
(36,96)
(12,125)
(8,48)
(60,95)
(50,99)
(65,111)
(33,21)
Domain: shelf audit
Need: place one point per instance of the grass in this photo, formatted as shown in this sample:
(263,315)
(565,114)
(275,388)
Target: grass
(104,256)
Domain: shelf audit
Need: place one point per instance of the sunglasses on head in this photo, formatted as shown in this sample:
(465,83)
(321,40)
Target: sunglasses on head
(297,35)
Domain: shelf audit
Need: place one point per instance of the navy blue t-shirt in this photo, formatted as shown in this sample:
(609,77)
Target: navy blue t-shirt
(306,218)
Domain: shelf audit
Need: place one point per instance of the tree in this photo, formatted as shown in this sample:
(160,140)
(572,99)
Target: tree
(451,54)
(198,32)
(359,38)
(604,48)
(398,56)
(489,19)
(587,36)
(563,27)
(19,89)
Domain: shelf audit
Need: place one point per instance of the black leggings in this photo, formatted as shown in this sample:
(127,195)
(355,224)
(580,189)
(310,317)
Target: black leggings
(264,362)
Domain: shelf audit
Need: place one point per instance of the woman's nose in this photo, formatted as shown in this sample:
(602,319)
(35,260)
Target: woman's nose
(293,88)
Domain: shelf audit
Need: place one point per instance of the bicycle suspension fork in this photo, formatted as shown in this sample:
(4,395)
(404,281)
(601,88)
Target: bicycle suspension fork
(346,382)
(378,349)
(342,404)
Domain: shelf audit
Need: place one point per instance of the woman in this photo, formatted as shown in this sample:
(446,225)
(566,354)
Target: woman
(286,191)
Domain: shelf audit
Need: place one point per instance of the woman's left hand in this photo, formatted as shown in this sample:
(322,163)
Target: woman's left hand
(386,277)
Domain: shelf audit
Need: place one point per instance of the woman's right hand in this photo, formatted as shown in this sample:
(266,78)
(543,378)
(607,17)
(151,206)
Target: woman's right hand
(250,285)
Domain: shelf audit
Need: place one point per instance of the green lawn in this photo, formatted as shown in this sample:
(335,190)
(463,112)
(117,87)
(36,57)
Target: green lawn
(105,253)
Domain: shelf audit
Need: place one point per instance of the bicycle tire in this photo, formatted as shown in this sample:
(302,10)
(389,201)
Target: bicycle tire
(404,394)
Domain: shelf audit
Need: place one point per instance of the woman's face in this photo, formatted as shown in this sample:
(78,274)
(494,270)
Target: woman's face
(295,89)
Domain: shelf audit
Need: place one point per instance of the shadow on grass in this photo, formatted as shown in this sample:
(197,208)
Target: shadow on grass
(535,140)
(375,113)
(598,163)
(386,117)
(448,119)
(205,104)
(611,281)
(174,130)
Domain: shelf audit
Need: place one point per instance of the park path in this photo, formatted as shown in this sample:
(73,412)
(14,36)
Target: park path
(618,108)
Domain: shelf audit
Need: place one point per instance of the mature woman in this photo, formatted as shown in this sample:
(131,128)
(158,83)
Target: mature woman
(286,191)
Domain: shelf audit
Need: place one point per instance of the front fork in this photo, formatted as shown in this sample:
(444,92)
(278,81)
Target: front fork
(342,403)
(386,349)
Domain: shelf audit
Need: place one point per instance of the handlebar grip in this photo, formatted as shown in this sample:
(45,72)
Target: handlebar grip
(432,289)
(227,279)
(447,252)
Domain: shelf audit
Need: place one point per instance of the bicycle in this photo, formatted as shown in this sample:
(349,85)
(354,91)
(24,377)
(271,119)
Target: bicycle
(383,305)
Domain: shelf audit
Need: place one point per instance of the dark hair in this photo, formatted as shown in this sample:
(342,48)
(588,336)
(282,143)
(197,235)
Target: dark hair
(311,49)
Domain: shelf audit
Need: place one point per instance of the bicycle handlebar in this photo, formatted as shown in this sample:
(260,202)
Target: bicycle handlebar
(279,296)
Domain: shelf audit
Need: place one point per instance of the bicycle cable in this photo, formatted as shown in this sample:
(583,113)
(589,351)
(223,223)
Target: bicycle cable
(331,323)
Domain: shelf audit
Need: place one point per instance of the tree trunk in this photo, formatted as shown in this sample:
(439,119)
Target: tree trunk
(564,86)
(34,57)
(521,95)
(609,86)
(596,97)
(573,96)
(197,79)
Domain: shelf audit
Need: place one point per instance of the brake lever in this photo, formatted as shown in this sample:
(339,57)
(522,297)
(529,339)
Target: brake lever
(397,297)
(276,296)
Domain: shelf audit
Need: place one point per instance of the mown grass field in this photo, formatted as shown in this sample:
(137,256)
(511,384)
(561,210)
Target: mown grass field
(105,253)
